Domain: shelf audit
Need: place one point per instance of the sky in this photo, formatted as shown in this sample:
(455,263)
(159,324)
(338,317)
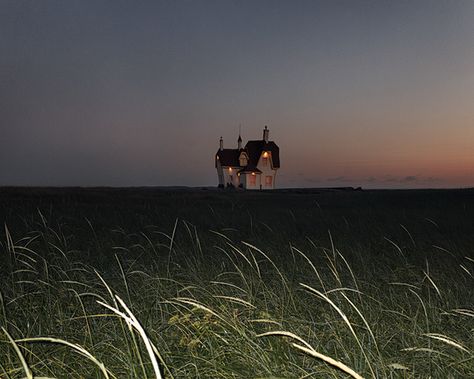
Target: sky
(378,94)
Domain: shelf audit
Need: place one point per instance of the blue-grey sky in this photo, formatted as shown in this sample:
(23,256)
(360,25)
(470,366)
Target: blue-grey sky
(126,93)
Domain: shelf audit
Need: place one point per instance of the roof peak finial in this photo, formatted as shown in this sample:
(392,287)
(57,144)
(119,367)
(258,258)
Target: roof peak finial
(239,140)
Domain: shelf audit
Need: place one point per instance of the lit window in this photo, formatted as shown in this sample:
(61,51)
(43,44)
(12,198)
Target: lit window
(268,181)
(253,179)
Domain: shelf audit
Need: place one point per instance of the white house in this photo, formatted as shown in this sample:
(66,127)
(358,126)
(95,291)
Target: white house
(251,167)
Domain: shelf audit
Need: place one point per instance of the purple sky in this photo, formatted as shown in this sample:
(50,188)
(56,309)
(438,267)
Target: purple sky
(363,93)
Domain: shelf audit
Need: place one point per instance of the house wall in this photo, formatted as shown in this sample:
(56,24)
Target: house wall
(267,171)
(243,180)
(230,176)
(247,181)
(220,174)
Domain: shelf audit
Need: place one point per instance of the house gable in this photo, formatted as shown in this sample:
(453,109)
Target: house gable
(228,157)
(255,150)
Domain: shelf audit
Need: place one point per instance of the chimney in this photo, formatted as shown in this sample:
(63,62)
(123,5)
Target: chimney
(239,143)
(221,144)
(265,134)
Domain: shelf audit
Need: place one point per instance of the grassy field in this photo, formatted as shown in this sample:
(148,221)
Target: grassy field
(149,283)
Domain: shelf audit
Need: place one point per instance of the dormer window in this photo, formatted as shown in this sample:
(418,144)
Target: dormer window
(243,160)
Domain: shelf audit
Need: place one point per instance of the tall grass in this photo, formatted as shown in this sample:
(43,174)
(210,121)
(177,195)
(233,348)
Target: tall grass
(262,297)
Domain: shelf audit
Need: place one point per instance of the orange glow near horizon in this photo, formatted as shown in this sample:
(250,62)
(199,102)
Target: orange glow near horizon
(415,149)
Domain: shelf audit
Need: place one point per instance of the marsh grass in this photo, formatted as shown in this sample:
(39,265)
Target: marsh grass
(221,286)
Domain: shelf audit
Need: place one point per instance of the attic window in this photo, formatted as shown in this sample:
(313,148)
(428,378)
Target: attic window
(265,158)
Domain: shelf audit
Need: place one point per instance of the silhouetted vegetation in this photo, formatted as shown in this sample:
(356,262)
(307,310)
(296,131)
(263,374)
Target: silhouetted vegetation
(232,284)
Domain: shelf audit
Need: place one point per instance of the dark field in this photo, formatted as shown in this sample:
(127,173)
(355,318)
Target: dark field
(288,284)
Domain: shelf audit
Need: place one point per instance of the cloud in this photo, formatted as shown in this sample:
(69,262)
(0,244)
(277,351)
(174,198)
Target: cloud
(380,181)
(390,179)
(432,179)
(338,179)
(312,180)
(413,179)
(399,179)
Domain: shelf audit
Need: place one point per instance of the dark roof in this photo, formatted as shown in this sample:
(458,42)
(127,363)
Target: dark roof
(228,157)
(250,168)
(255,149)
